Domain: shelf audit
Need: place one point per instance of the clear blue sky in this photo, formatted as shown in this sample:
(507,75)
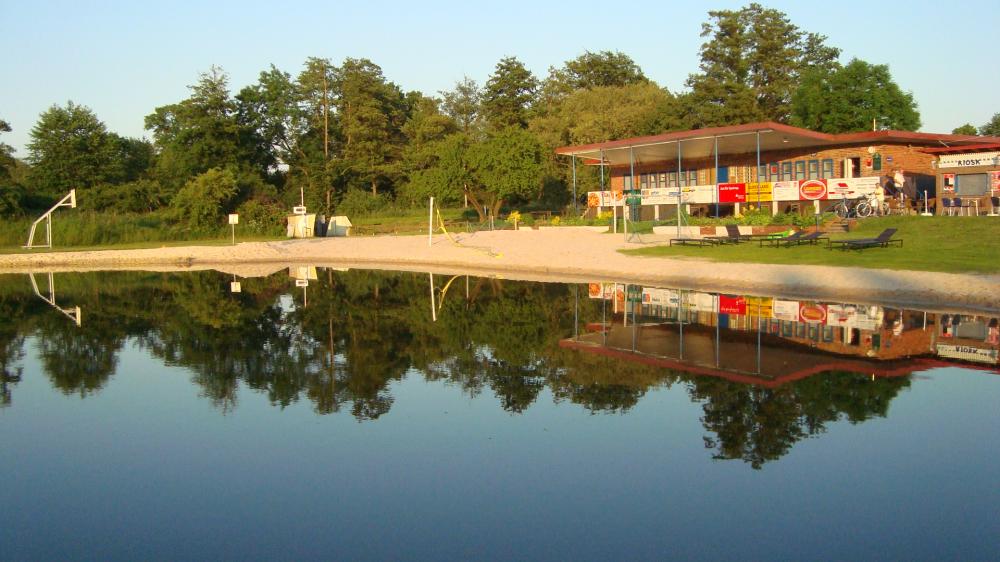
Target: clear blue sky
(122,59)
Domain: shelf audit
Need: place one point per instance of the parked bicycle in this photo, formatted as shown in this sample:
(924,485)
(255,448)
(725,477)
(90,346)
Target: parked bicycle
(860,207)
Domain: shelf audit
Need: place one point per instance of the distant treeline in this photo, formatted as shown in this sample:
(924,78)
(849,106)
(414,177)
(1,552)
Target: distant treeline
(346,139)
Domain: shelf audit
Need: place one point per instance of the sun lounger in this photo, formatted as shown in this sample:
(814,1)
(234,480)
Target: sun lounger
(732,236)
(692,241)
(811,238)
(883,240)
(783,239)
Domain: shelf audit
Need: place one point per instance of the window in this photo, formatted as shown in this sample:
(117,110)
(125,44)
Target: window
(786,171)
(692,177)
(827,170)
(800,170)
(772,171)
(813,169)
(627,182)
(643,181)
(672,179)
(652,180)
(762,173)
(663,179)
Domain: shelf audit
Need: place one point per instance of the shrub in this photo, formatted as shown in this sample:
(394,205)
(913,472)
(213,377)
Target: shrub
(261,216)
(357,202)
(202,201)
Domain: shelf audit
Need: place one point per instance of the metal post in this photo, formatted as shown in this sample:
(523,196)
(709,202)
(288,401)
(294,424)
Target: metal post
(756,172)
(576,312)
(575,199)
(679,189)
(433,307)
(430,224)
(631,186)
(716,177)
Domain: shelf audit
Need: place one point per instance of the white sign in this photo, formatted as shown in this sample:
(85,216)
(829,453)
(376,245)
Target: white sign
(301,282)
(234,219)
(968,353)
(969,159)
(299,210)
(785,191)
(785,310)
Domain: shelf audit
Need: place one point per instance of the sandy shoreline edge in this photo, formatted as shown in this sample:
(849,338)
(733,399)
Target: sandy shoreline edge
(570,255)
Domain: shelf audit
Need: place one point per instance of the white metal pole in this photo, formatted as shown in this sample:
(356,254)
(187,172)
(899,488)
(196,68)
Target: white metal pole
(234,233)
(430,224)
(679,189)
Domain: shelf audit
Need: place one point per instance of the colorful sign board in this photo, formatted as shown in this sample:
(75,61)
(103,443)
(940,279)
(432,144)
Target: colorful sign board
(812,313)
(948,183)
(732,304)
(969,160)
(812,190)
(732,193)
(759,192)
(995,182)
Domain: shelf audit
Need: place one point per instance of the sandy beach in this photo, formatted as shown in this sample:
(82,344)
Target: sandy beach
(558,254)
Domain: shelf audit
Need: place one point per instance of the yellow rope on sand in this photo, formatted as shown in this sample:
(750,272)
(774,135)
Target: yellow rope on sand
(487,251)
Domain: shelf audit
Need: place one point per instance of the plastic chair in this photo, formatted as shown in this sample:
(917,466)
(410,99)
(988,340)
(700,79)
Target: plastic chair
(957,203)
(994,205)
(947,205)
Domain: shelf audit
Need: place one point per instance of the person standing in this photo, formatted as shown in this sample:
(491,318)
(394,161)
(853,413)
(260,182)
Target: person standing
(880,197)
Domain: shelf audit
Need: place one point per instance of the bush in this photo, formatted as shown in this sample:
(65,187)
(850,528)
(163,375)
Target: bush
(202,201)
(260,216)
(357,202)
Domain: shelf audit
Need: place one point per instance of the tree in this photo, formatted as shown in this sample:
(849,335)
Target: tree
(203,199)
(991,129)
(507,165)
(751,65)
(592,70)
(371,114)
(850,98)
(967,129)
(204,132)
(11,194)
(71,148)
(463,104)
(7,162)
(509,94)
(446,173)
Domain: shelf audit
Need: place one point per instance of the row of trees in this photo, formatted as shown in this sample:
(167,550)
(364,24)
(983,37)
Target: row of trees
(344,135)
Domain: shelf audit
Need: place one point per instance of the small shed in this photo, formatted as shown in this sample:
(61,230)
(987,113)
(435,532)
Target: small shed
(339,226)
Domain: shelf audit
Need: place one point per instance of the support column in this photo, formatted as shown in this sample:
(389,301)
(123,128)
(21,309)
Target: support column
(716,177)
(576,210)
(679,189)
(756,171)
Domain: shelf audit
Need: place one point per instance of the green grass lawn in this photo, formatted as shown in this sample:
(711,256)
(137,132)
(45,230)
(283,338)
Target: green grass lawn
(949,244)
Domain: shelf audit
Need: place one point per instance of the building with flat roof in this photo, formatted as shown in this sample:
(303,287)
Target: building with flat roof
(715,171)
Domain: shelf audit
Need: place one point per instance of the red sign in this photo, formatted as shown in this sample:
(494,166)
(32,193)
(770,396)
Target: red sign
(812,313)
(812,190)
(732,305)
(732,193)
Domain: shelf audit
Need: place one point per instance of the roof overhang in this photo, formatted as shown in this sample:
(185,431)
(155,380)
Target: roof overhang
(699,144)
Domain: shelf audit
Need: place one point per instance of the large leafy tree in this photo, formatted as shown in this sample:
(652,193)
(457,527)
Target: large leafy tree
(371,113)
(506,166)
(591,70)
(464,105)
(204,131)
(11,194)
(751,64)
(991,129)
(967,129)
(71,148)
(509,95)
(852,98)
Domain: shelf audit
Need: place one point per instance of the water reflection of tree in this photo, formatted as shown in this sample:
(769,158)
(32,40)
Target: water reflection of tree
(760,424)
(362,331)
(11,348)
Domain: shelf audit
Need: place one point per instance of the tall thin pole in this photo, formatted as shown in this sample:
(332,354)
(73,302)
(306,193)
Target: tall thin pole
(631,186)
(716,177)
(430,224)
(756,172)
(575,199)
(679,189)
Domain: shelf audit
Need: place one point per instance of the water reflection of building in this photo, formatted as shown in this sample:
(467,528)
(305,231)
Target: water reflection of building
(771,341)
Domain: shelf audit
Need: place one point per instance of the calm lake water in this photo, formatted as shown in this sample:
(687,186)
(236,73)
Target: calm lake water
(363,415)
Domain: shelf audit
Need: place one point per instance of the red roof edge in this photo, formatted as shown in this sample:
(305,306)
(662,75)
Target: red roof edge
(990,146)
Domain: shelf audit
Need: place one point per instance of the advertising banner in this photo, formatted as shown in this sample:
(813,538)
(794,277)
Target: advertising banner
(812,313)
(785,190)
(995,182)
(761,192)
(812,190)
(731,304)
(732,193)
(949,183)
(762,307)
(850,188)
(785,310)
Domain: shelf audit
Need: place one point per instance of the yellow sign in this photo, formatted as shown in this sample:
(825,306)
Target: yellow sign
(762,191)
(761,307)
